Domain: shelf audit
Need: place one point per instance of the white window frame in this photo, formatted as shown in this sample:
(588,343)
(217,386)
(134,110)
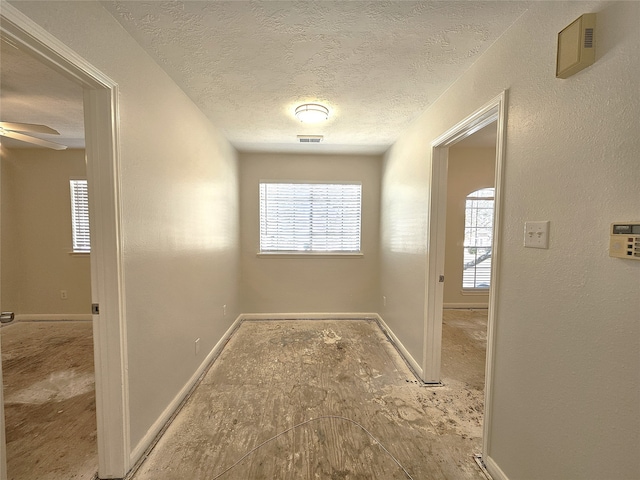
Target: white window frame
(80,233)
(477,195)
(302,240)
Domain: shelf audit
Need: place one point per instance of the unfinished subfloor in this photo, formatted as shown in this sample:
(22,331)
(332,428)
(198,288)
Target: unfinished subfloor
(49,395)
(328,399)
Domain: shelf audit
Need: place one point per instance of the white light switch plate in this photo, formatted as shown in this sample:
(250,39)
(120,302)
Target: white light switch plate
(536,234)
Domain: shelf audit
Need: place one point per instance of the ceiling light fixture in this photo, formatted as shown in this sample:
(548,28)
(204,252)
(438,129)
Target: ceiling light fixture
(312,113)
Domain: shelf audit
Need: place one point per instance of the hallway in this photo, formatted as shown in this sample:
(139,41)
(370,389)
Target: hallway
(319,399)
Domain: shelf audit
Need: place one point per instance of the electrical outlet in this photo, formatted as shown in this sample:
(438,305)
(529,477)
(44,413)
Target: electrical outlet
(197,343)
(384,301)
(63,294)
(536,234)
(224,310)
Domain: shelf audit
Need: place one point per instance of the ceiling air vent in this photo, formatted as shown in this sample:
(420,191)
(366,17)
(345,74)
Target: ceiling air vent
(310,138)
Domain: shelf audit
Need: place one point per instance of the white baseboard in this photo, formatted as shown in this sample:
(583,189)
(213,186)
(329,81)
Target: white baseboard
(310,316)
(401,348)
(494,470)
(168,412)
(484,305)
(53,317)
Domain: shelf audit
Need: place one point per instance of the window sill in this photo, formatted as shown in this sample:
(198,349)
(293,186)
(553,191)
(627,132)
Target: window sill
(310,254)
(79,254)
(475,291)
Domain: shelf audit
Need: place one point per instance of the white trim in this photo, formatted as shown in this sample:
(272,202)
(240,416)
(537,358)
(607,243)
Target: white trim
(310,316)
(436,239)
(163,420)
(107,281)
(53,317)
(459,306)
(475,291)
(323,255)
(494,110)
(501,104)
(401,348)
(494,470)
(31,37)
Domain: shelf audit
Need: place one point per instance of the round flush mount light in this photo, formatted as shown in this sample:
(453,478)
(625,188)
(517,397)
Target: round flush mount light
(312,113)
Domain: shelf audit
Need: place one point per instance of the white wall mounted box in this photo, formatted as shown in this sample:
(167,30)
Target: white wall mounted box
(624,241)
(576,46)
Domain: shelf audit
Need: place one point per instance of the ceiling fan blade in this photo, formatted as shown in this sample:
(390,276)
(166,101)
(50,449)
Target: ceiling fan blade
(33,140)
(28,127)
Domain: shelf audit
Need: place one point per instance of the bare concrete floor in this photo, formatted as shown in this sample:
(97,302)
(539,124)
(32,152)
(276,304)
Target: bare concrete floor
(464,345)
(325,400)
(49,395)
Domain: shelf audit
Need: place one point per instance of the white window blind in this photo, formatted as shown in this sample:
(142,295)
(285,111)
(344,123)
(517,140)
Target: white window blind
(310,217)
(80,216)
(478,239)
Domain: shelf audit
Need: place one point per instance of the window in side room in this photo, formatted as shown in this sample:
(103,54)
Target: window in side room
(478,239)
(80,216)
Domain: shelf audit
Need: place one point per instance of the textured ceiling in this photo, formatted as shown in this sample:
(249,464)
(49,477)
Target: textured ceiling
(376,65)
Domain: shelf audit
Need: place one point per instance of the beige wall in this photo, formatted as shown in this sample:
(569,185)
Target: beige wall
(179,193)
(566,379)
(566,389)
(309,283)
(36,235)
(469,169)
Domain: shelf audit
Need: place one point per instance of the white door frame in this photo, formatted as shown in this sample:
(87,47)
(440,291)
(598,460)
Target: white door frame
(107,284)
(495,110)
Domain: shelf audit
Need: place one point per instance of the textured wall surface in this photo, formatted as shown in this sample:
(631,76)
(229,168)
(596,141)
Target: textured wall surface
(377,65)
(179,191)
(566,379)
(566,387)
(277,284)
(36,234)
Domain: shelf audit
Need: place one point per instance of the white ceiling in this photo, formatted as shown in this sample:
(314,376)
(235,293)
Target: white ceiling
(377,65)
(30,92)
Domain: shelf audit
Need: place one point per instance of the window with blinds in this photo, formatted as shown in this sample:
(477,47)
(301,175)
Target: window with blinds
(310,217)
(80,216)
(478,239)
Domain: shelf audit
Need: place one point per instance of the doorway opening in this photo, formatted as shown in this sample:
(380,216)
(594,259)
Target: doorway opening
(47,351)
(102,168)
(490,119)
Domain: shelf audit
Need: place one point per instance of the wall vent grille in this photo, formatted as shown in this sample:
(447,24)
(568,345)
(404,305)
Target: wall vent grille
(588,38)
(310,138)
